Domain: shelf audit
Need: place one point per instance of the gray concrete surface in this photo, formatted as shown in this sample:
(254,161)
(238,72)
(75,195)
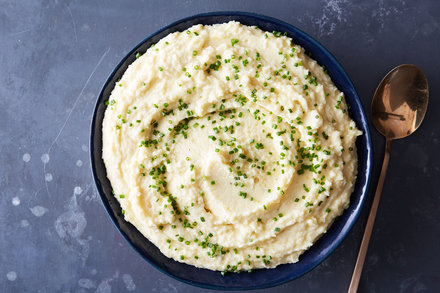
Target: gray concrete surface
(55,235)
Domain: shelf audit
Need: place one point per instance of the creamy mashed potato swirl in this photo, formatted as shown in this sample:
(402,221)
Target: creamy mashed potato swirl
(229,148)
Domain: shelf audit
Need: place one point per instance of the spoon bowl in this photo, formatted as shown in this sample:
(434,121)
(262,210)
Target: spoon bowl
(400,102)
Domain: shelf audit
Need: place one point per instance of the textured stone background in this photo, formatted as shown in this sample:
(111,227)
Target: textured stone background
(55,235)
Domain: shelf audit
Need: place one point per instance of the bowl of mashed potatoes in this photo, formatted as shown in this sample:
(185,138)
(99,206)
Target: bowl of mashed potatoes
(231,151)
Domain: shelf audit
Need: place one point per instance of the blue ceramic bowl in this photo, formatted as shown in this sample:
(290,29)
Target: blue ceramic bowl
(262,278)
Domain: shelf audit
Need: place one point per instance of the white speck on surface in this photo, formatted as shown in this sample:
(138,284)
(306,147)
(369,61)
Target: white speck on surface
(26,157)
(335,6)
(15,201)
(77,190)
(163,287)
(94,272)
(104,287)
(386,11)
(38,211)
(333,15)
(45,158)
(84,148)
(70,226)
(85,28)
(87,283)
(407,283)
(48,177)
(79,163)
(24,223)
(12,276)
(128,282)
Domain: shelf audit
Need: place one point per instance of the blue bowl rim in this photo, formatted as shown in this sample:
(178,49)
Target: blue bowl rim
(356,100)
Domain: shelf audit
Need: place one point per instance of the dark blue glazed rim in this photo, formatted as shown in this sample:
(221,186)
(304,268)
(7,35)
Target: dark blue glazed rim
(259,278)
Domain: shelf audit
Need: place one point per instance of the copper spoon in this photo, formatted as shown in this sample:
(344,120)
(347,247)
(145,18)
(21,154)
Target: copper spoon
(398,108)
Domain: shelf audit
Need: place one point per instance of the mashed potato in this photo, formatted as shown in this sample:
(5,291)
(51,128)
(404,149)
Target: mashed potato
(229,148)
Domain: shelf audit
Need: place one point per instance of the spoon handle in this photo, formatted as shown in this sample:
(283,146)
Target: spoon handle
(370,223)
